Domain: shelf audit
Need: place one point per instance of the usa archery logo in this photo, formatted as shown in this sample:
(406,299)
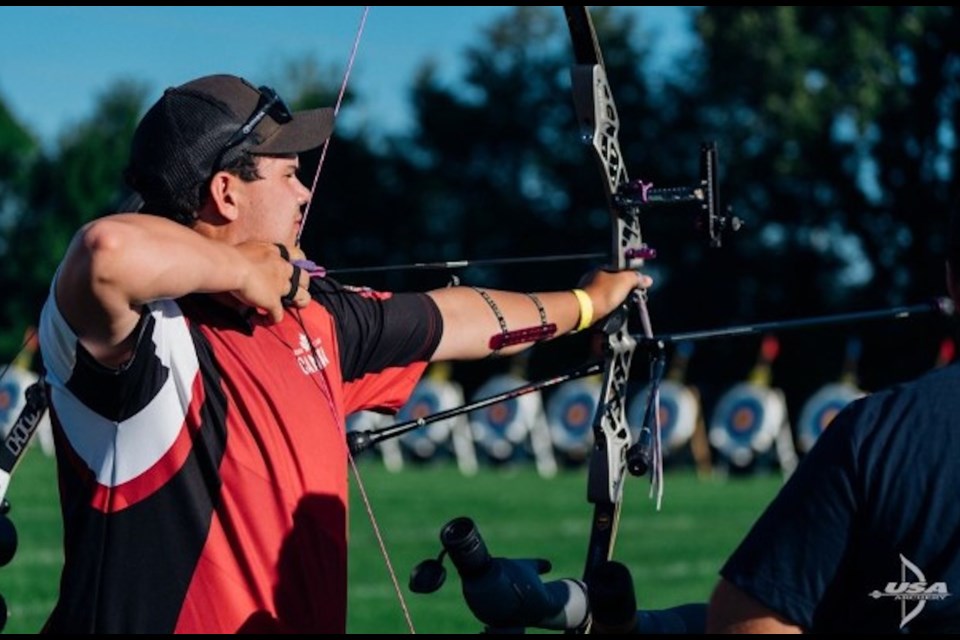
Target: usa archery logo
(918,591)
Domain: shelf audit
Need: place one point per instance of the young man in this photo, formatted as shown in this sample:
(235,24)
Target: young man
(865,536)
(200,380)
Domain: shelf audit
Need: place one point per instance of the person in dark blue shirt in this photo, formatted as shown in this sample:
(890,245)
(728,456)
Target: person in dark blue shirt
(865,536)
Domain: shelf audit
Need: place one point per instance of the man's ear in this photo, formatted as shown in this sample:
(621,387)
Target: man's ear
(223,196)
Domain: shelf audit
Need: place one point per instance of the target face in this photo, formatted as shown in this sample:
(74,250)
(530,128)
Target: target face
(423,402)
(570,416)
(9,392)
(429,397)
(821,409)
(12,399)
(746,422)
(498,428)
(363,421)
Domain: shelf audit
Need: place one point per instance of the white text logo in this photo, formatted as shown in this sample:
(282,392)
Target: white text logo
(905,591)
(311,357)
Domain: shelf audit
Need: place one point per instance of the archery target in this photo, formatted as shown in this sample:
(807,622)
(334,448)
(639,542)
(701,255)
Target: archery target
(428,397)
(499,428)
(678,414)
(746,422)
(368,421)
(389,449)
(12,387)
(365,421)
(570,416)
(821,409)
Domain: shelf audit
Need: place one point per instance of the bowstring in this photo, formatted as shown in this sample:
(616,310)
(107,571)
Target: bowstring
(353,464)
(336,111)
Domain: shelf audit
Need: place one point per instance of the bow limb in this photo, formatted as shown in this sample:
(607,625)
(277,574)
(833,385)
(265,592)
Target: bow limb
(600,124)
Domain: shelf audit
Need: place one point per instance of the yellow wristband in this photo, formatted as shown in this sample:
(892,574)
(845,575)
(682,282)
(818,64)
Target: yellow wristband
(586,309)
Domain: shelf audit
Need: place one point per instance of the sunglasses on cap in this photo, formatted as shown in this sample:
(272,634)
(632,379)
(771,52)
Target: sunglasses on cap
(270,104)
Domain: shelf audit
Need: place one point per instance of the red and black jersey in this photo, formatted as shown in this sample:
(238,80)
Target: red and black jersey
(204,483)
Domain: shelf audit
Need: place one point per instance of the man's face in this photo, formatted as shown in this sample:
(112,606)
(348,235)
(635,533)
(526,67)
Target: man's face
(272,206)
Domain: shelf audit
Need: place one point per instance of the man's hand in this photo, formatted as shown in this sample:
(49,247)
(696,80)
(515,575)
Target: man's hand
(608,289)
(269,280)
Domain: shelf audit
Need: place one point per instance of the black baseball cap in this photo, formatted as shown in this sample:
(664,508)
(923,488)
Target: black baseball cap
(195,129)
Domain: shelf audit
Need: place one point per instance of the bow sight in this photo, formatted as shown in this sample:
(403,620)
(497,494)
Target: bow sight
(637,193)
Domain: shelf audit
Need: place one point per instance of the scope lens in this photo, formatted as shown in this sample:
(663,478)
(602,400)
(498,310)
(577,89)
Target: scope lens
(463,543)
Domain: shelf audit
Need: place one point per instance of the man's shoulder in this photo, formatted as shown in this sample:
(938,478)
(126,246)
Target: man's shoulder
(327,289)
(930,402)
(940,384)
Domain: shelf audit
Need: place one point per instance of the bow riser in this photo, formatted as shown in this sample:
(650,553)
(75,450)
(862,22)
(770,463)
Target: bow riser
(600,127)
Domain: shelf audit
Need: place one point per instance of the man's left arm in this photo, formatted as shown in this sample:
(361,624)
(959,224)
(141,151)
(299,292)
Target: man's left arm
(472,316)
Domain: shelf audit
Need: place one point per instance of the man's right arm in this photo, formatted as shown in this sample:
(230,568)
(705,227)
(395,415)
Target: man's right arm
(734,611)
(117,264)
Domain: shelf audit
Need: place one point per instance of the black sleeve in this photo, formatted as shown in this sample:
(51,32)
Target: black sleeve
(377,330)
(795,554)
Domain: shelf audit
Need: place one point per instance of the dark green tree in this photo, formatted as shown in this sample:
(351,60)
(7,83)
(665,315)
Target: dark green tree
(495,160)
(495,165)
(840,127)
(18,150)
(357,211)
(78,181)
(18,153)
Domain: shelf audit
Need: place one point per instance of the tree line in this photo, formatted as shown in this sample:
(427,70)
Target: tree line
(837,130)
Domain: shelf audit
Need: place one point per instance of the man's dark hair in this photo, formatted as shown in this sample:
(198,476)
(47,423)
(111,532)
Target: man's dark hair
(182,206)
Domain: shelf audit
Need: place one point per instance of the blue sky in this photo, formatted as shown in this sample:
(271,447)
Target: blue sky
(54,61)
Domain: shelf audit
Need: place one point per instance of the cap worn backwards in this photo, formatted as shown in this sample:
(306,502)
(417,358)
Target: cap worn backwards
(192,129)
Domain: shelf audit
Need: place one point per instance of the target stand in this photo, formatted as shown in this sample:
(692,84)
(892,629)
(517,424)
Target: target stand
(570,414)
(443,439)
(389,449)
(512,430)
(820,410)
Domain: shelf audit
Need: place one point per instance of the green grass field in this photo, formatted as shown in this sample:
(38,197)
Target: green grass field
(673,554)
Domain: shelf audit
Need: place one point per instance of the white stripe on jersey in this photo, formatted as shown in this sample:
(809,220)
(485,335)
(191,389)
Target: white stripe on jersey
(119,452)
